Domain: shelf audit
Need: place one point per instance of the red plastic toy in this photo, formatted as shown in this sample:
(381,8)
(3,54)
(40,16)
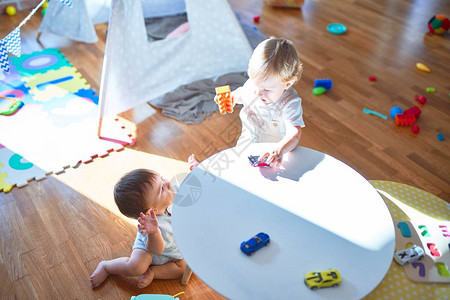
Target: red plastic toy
(421,99)
(405,119)
(223,99)
(415,111)
(415,129)
(372,78)
(256,19)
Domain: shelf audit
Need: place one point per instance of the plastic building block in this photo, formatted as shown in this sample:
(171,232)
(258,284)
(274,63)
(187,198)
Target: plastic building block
(405,119)
(440,137)
(372,78)
(430,90)
(326,83)
(395,110)
(415,111)
(415,129)
(223,99)
(319,90)
(422,67)
(371,112)
(421,99)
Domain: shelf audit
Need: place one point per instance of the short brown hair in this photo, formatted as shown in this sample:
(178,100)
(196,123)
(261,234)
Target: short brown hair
(275,56)
(129,191)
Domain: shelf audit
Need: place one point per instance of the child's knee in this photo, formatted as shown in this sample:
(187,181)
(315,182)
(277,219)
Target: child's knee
(137,268)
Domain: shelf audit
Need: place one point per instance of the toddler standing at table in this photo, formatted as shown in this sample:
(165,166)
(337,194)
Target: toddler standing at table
(272,110)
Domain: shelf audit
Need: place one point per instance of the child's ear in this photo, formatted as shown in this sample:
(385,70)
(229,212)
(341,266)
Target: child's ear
(289,83)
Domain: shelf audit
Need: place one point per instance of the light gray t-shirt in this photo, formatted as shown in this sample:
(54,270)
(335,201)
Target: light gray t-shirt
(165,227)
(268,121)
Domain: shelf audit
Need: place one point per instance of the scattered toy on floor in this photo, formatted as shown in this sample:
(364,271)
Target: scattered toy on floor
(422,67)
(430,90)
(440,137)
(438,24)
(326,83)
(10,10)
(415,129)
(395,110)
(421,99)
(371,112)
(336,28)
(372,78)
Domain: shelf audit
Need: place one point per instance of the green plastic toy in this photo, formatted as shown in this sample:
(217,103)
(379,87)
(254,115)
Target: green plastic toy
(12,108)
(319,90)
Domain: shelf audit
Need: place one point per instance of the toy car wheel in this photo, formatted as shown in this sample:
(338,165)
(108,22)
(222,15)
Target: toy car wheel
(267,243)
(335,285)
(314,288)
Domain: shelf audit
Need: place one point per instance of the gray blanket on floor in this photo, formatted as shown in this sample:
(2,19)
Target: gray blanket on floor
(194,102)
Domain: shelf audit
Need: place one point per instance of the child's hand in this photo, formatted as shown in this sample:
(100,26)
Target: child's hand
(148,224)
(274,158)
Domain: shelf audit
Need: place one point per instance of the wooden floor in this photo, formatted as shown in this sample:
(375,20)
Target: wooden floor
(54,232)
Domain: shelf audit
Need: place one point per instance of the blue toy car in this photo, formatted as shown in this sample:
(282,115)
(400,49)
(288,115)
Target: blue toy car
(255,243)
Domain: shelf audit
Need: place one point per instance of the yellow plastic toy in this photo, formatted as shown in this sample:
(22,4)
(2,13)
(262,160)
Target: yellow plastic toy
(422,67)
(321,279)
(223,99)
(10,10)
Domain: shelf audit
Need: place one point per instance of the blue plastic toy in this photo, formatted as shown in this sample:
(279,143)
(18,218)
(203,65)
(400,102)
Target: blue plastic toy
(326,83)
(336,28)
(255,243)
(156,297)
(395,110)
(440,137)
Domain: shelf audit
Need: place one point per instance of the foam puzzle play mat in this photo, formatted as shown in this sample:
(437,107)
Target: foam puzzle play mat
(49,119)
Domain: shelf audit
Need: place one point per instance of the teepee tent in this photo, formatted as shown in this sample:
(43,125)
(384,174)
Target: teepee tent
(136,71)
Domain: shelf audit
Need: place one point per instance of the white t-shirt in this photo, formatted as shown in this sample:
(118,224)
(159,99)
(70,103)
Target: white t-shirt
(266,123)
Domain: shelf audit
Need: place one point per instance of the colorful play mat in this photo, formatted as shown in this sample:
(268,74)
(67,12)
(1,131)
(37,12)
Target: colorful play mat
(427,219)
(56,127)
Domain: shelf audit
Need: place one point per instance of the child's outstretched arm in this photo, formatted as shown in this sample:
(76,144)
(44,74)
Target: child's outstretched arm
(149,225)
(287,144)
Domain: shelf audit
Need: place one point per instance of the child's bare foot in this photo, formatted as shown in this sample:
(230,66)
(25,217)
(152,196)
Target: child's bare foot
(146,278)
(100,274)
(192,162)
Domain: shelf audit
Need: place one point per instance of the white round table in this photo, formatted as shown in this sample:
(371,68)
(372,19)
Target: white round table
(320,214)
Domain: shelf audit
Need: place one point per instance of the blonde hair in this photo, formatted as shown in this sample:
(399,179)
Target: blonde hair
(275,56)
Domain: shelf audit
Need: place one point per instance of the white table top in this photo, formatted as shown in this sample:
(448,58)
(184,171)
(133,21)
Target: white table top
(319,213)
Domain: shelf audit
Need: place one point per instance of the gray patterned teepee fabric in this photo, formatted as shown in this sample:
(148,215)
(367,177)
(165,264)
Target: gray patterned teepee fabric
(136,71)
